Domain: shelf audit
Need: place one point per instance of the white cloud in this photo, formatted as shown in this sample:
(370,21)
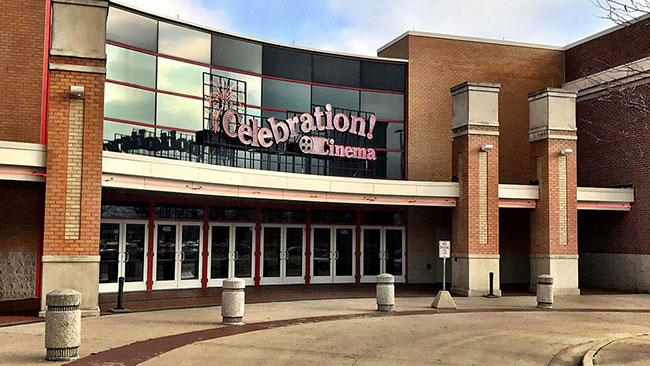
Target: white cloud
(368,24)
(188,10)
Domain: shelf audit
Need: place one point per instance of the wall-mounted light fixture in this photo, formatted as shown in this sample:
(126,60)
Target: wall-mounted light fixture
(566,152)
(77,91)
(487,147)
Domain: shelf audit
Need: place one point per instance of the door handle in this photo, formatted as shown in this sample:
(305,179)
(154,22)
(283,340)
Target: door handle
(236,253)
(336,255)
(182,256)
(127,256)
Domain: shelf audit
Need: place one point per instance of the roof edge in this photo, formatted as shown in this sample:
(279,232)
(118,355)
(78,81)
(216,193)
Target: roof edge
(231,34)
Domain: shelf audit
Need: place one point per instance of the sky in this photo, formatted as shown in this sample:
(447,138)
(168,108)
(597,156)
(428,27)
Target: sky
(362,26)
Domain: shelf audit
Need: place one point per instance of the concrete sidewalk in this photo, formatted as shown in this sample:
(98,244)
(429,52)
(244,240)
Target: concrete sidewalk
(504,328)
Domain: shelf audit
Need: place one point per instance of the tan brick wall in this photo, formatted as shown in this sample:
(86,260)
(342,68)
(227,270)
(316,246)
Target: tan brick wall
(436,64)
(21,69)
(547,224)
(57,189)
(467,218)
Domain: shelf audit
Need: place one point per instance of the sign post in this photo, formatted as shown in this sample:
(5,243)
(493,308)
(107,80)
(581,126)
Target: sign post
(444,252)
(443,299)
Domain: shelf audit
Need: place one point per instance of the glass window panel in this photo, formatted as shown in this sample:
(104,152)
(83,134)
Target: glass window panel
(321,251)
(178,212)
(236,54)
(395,165)
(191,247)
(180,112)
(131,29)
(272,246)
(109,249)
(166,253)
(232,214)
(383,76)
(344,251)
(286,95)
(395,136)
(128,103)
(283,216)
(130,66)
(286,63)
(294,248)
(383,218)
(253,87)
(333,217)
(244,251)
(383,105)
(180,77)
(115,130)
(220,242)
(184,42)
(338,98)
(371,250)
(134,242)
(125,210)
(335,70)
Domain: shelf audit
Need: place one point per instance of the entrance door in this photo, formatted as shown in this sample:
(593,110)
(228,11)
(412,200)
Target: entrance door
(123,252)
(231,253)
(333,254)
(382,251)
(177,255)
(283,254)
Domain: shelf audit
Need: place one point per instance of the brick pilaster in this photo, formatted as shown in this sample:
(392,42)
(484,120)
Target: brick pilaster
(553,229)
(475,163)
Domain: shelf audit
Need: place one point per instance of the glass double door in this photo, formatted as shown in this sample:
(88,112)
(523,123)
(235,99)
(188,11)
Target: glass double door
(177,255)
(283,253)
(332,254)
(123,253)
(231,253)
(382,251)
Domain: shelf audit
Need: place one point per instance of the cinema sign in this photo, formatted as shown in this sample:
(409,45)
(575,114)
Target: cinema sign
(223,103)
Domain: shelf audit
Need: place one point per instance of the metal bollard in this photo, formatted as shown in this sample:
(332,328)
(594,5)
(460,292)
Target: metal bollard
(232,301)
(62,325)
(544,291)
(120,298)
(491,294)
(385,292)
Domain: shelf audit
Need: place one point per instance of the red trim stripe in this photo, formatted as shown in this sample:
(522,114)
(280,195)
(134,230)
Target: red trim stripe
(248,72)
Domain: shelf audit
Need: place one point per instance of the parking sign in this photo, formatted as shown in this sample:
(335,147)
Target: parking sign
(444,247)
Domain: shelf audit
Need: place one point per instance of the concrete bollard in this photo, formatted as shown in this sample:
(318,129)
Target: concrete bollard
(544,291)
(385,292)
(62,325)
(232,301)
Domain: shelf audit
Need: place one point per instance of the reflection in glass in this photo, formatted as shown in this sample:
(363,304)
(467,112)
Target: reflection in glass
(272,247)
(236,54)
(253,86)
(134,247)
(131,29)
(191,247)
(180,77)
(382,76)
(371,251)
(130,66)
(394,252)
(244,251)
(114,130)
(336,70)
(220,243)
(109,251)
(322,243)
(294,249)
(395,136)
(286,95)
(128,103)
(344,250)
(129,210)
(183,42)
(383,105)
(166,253)
(179,112)
(338,98)
(394,165)
(286,63)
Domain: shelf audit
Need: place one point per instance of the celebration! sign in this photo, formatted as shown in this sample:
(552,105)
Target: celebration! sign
(224,104)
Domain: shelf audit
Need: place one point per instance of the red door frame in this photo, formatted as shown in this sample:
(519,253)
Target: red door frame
(358,245)
(206,228)
(152,206)
(258,244)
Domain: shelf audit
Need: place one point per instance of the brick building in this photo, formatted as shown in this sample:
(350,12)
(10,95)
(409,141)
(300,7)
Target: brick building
(173,155)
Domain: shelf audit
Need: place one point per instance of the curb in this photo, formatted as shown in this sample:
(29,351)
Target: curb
(588,357)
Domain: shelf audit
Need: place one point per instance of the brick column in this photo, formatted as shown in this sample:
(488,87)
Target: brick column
(475,162)
(553,224)
(74,150)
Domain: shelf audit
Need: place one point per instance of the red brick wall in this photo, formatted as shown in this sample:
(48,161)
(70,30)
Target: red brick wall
(436,64)
(614,150)
(622,46)
(57,159)
(21,69)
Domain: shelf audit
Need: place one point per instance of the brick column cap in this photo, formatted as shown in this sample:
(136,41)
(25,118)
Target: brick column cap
(472,85)
(551,92)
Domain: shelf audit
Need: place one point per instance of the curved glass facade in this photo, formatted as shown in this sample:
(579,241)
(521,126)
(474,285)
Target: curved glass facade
(160,75)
